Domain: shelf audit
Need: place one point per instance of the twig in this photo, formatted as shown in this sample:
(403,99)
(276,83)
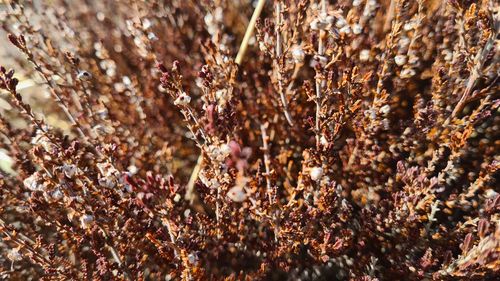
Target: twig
(114,253)
(271,192)
(267,161)
(321,51)
(50,83)
(475,74)
(390,16)
(190,195)
(249,31)
(279,53)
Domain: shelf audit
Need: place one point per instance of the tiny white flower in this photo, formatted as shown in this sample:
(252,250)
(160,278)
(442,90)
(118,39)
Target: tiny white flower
(319,60)
(385,109)
(357,29)
(346,29)
(106,182)
(316,173)
(192,258)
(225,149)
(413,60)
(314,25)
(370,7)
(400,60)
(262,46)
(152,36)
(364,55)
(146,23)
(490,193)
(57,194)
(298,54)
(86,220)
(323,140)
(84,75)
(219,14)
(268,40)
(44,141)
(341,22)
(126,80)
(183,99)
(14,255)
(372,114)
(237,194)
(209,19)
(219,152)
(132,169)
(407,73)
(404,42)
(106,169)
(69,170)
(330,19)
(448,55)
(177,198)
(33,183)
(320,24)
(409,25)
(221,94)
(223,97)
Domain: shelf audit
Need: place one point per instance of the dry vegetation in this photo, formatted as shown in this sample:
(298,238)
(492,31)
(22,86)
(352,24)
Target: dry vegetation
(353,140)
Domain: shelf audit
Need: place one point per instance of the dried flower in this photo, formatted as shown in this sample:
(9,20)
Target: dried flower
(86,220)
(219,152)
(57,194)
(407,73)
(357,29)
(385,109)
(237,194)
(322,23)
(298,54)
(84,75)
(34,182)
(107,182)
(316,173)
(400,60)
(14,255)
(69,170)
(42,140)
(183,99)
(345,140)
(177,197)
(364,55)
(324,141)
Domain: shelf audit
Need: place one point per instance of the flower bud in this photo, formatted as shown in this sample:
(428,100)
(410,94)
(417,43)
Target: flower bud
(298,55)
(183,99)
(316,173)
(400,60)
(86,220)
(237,194)
(84,75)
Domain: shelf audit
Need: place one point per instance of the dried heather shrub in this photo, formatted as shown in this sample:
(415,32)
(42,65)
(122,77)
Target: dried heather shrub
(249,140)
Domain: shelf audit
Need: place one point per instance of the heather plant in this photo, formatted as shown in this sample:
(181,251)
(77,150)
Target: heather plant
(249,140)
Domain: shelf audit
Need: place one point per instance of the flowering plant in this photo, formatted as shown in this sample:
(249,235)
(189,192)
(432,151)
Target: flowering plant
(249,140)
